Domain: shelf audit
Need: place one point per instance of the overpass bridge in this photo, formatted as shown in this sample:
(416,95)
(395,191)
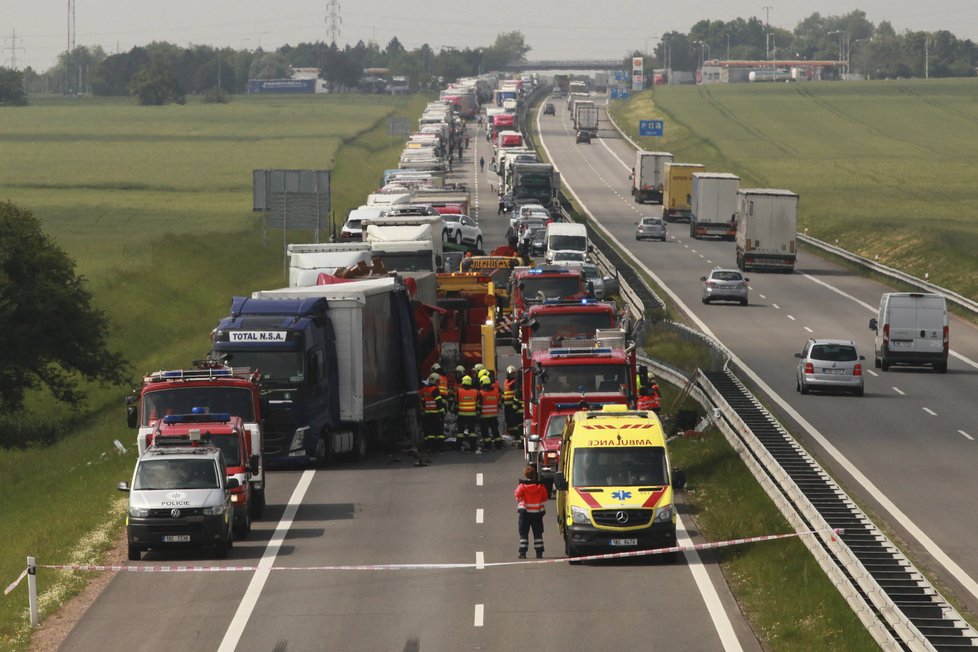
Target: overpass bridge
(582,64)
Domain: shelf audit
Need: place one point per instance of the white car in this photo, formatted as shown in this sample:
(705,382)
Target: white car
(562,256)
(528,210)
(462,229)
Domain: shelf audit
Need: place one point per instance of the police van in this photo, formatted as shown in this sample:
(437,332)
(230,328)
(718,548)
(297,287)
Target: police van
(180,496)
(615,485)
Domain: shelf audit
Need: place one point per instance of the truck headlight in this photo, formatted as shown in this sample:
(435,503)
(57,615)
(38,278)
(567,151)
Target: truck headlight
(664,514)
(299,439)
(580,515)
(214,510)
(138,512)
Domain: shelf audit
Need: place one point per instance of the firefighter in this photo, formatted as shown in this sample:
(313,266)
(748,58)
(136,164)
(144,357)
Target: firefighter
(531,504)
(433,414)
(512,403)
(467,409)
(489,419)
(442,380)
(649,396)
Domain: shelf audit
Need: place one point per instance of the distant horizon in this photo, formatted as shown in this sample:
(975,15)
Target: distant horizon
(580,33)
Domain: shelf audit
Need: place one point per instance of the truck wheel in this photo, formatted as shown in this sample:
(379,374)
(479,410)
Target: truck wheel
(221,549)
(257,503)
(361,447)
(135,553)
(876,362)
(884,363)
(243,529)
(940,367)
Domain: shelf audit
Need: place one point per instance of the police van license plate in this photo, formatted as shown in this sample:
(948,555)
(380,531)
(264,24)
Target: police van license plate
(176,538)
(624,542)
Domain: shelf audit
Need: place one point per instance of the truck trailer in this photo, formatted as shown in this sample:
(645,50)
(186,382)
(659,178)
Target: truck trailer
(766,229)
(677,191)
(338,362)
(648,176)
(714,205)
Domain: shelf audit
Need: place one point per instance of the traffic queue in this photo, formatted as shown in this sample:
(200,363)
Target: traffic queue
(294,374)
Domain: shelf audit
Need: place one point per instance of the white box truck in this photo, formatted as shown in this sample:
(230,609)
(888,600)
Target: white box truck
(911,328)
(714,205)
(767,222)
(408,244)
(648,176)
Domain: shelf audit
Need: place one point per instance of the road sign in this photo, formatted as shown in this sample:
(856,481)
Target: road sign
(619,93)
(650,127)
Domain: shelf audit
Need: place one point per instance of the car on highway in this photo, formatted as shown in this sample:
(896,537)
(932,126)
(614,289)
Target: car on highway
(533,240)
(462,229)
(650,228)
(565,257)
(601,287)
(549,109)
(725,285)
(829,364)
(526,211)
(584,136)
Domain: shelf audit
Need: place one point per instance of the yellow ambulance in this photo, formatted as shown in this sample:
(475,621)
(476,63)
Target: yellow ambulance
(615,486)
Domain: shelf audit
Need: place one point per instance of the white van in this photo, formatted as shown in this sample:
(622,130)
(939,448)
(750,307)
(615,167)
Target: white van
(911,329)
(566,236)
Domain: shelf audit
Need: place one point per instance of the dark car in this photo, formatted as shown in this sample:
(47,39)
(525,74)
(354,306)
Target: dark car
(584,137)
(549,109)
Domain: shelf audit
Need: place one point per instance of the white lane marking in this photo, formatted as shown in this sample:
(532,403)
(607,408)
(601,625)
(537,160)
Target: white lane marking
(871,372)
(480,614)
(480,560)
(873,309)
(718,614)
(809,330)
(888,505)
(966,435)
(250,599)
(760,295)
(479,515)
(899,391)
(791,317)
(929,411)
(478,479)
(709,261)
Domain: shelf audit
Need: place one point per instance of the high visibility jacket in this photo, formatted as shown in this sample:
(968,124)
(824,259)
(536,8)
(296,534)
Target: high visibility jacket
(443,384)
(468,402)
(509,391)
(490,401)
(433,401)
(650,402)
(531,496)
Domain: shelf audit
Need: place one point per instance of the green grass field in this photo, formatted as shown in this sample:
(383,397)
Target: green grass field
(154,204)
(885,168)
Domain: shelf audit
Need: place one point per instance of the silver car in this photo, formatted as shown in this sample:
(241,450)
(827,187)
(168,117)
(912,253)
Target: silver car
(650,228)
(830,364)
(725,285)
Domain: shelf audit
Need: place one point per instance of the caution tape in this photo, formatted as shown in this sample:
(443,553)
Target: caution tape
(14,584)
(388,567)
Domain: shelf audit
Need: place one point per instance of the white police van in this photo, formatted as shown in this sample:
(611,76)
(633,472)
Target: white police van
(180,497)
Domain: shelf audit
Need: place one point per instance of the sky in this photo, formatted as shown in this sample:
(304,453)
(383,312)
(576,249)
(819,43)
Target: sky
(554,29)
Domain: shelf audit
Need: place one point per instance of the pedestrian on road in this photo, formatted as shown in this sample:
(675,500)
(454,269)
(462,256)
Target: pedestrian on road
(502,203)
(531,505)
(482,163)
(466,141)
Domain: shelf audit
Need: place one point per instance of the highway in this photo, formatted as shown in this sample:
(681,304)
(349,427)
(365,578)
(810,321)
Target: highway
(458,511)
(906,449)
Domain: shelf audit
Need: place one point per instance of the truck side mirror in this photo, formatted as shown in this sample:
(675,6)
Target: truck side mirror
(132,417)
(560,482)
(611,286)
(254,465)
(233,483)
(873,325)
(678,479)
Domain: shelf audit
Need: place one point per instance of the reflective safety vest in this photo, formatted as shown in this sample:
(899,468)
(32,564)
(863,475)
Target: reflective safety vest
(490,401)
(443,384)
(531,496)
(509,391)
(648,402)
(468,402)
(433,402)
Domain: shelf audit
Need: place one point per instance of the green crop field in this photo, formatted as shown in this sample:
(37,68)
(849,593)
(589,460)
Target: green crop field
(154,204)
(886,168)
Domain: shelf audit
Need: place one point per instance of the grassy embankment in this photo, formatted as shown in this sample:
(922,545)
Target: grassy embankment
(154,204)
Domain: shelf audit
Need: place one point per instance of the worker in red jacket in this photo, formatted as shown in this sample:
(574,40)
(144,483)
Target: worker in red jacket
(489,417)
(467,408)
(531,503)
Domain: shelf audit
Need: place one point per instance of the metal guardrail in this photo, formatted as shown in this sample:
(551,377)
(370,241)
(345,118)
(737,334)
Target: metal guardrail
(891,612)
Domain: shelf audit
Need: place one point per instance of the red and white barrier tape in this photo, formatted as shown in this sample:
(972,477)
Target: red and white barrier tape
(382,567)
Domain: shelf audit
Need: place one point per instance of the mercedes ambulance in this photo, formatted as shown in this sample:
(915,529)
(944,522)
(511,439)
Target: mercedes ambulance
(615,485)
